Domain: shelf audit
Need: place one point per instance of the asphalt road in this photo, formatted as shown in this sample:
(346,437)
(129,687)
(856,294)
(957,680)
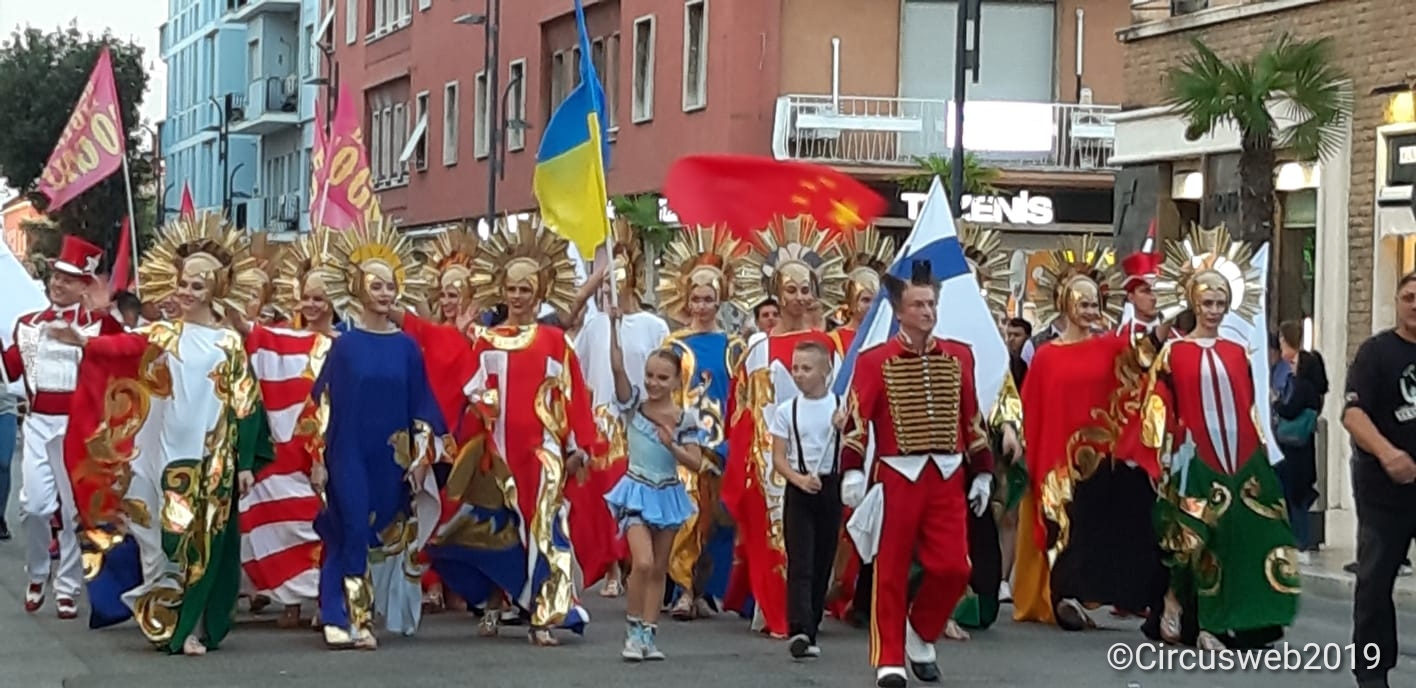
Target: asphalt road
(39,651)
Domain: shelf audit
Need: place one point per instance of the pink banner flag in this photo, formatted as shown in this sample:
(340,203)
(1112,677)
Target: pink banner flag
(92,145)
(343,194)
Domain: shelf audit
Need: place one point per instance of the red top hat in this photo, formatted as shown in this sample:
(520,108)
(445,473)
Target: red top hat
(78,258)
(1140,268)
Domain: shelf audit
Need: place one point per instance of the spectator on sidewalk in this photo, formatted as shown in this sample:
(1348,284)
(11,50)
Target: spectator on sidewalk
(9,433)
(1380,415)
(1296,408)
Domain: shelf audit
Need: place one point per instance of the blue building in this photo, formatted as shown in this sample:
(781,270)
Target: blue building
(237,81)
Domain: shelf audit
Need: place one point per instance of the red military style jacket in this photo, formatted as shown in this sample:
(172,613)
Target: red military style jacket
(51,368)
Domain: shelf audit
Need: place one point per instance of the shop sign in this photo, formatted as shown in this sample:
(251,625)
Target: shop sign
(1022,209)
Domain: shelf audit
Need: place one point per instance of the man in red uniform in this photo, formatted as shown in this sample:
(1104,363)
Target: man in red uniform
(1141,269)
(917,394)
(51,369)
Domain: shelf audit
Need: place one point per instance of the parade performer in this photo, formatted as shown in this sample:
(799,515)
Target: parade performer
(866,255)
(1088,512)
(384,433)
(280,550)
(915,395)
(641,333)
(1225,523)
(695,280)
(50,369)
(1143,317)
(444,340)
(154,455)
(793,261)
(649,501)
(528,435)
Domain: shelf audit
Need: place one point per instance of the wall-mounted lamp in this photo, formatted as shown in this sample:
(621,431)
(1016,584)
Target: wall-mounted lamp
(1187,186)
(1294,176)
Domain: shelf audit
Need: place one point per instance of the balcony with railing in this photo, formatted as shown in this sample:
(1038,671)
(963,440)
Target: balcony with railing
(893,132)
(277,212)
(270,104)
(246,10)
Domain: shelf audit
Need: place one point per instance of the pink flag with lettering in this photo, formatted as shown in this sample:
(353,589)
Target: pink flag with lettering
(343,195)
(92,144)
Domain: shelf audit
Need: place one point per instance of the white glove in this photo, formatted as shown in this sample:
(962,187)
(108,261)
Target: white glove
(979,493)
(853,488)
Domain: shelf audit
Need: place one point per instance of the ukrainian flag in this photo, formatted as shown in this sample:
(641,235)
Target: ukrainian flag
(570,164)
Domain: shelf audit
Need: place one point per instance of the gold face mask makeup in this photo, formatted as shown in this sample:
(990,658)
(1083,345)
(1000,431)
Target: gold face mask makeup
(794,273)
(524,271)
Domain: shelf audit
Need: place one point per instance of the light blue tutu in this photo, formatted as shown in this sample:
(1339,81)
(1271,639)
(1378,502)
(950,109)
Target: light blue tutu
(660,507)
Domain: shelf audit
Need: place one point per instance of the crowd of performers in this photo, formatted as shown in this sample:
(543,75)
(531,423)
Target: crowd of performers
(375,431)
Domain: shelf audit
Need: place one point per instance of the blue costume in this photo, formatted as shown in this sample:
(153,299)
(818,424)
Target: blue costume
(650,492)
(703,551)
(383,420)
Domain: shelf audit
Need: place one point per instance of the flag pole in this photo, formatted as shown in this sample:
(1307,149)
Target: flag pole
(132,224)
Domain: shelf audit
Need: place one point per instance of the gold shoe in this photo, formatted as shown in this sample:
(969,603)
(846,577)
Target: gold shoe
(542,637)
(491,623)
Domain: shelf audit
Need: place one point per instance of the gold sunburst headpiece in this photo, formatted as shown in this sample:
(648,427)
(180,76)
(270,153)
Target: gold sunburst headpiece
(629,262)
(375,249)
(300,268)
(1209,259)
(206,247)
(529,253)
(983,251)
(699,257)
(795,250)
(451,258)
(267,254)
(1080,267)
(866,255)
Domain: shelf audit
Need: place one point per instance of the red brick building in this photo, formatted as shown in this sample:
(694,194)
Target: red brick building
(842,82)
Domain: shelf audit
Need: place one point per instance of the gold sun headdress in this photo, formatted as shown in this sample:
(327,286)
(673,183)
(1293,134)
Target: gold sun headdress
(795,250)
(376,249)
(1081,267)
(206,247)
(629,262)
(529,253)
(698,257)
(300,268)
(983,251)
(267,254)
(451,258)
(865,254)
(1209,259)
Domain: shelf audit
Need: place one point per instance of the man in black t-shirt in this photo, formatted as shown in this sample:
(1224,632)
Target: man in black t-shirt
(1380,415)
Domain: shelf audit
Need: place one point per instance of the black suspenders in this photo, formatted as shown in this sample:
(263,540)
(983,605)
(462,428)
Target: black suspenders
(796,432)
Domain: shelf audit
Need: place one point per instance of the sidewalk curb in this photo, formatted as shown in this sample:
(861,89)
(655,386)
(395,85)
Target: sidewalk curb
(1340,586)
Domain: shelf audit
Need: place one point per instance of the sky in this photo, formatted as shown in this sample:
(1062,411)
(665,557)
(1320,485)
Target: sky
(136,20)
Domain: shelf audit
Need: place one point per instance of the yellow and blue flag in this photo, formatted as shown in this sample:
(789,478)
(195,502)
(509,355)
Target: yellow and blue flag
(570,165)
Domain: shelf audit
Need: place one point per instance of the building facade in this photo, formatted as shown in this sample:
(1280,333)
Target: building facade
(240,111)
(851,83)
(1348,232)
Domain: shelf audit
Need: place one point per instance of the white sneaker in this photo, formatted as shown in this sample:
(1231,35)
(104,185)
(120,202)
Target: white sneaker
(1005,592)
(633,643)
(813,651)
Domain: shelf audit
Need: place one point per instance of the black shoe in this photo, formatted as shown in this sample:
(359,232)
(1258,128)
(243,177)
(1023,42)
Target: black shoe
(799,645)
(891,681)
(4,530)
(925,671)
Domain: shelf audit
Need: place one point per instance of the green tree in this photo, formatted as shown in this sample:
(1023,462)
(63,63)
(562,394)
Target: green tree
(642,213)
(979,179)
(1297,78)
(42,75)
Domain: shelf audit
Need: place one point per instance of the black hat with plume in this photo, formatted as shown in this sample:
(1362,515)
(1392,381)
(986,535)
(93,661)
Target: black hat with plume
(921,275)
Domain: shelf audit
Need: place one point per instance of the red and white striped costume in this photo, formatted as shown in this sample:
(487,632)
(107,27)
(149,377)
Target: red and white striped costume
(280,552)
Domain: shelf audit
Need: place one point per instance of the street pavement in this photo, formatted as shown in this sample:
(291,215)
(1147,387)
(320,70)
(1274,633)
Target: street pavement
(39,651)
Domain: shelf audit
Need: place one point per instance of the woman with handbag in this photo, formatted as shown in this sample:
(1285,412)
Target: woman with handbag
(1295,413)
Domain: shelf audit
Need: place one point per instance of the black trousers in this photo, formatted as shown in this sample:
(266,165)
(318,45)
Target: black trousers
(811,525)
(1384,533)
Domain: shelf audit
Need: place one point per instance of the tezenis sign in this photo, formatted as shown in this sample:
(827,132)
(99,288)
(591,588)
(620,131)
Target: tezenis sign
(1022,209)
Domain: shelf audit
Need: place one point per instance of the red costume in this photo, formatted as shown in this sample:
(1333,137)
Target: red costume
(924,411)
(1141,270)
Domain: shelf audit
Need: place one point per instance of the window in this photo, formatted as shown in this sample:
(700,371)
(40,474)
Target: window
(558,89)
(398,134)
(389,135)
(351,21)
(390,15)
(425,5)
(597,59)
(419,143)
(612,83)
(451,114)
(574,67)
(377,139)
(642,93)
(516,106)
(695,55)
(482,145)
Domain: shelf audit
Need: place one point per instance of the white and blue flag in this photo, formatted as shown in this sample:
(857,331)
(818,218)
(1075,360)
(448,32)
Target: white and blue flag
(963,312)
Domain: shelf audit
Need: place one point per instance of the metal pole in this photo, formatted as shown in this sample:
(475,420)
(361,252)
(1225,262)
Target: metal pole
(961,60)
(493,107)
(224,146)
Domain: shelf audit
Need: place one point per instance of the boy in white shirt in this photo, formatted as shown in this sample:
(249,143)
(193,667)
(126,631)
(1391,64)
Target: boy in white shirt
(805,449)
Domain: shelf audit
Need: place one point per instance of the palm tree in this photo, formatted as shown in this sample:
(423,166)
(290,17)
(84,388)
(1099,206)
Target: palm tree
(642,213)
(979,179)
(1299,79)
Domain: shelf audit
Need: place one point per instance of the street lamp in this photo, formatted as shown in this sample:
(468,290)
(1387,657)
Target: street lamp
(490,22)
(223,149)
(965,60)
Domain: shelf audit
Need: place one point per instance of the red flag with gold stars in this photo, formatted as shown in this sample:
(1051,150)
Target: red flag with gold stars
(744,193)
